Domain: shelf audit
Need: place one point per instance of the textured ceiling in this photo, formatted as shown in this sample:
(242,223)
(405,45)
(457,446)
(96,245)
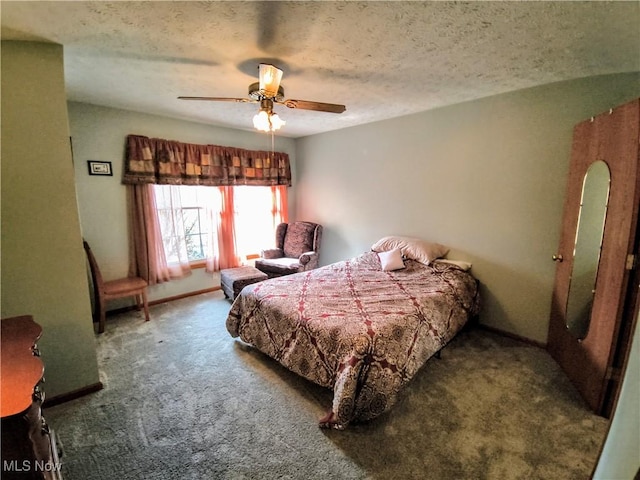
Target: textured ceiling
(380,59)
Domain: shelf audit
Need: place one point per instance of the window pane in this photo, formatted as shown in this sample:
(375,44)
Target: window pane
(189,195)
(193,233)
(184,220)
(191,219)
(253,219)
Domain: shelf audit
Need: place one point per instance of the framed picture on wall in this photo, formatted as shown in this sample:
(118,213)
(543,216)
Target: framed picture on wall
(99,168)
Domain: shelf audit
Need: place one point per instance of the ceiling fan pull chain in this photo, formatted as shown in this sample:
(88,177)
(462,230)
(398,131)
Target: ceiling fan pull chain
(273,151)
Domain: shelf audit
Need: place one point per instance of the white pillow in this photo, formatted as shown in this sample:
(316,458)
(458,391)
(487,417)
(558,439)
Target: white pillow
(391,260)
(413,248)
(458,263)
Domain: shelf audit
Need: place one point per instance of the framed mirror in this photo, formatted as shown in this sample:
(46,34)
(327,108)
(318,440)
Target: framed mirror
(588,242)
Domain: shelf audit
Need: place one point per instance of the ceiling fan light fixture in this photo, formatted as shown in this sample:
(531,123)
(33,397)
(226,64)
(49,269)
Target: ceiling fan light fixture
(267,121)
(261,121)
(276,121)
(270,77)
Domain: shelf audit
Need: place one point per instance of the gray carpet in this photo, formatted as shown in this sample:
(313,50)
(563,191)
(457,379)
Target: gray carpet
(183,400)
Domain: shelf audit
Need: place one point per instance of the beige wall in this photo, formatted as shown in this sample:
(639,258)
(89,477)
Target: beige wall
(43,264)
(486,178)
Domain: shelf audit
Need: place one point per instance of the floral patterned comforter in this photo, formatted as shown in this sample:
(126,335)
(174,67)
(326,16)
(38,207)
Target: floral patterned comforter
(356,329)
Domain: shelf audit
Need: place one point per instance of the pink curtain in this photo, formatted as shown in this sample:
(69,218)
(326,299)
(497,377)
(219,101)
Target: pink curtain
(146,250)
(280,205)
(227,231)
(168,214)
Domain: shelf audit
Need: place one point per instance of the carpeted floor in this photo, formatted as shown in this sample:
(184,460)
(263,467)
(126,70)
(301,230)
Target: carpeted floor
(183,400)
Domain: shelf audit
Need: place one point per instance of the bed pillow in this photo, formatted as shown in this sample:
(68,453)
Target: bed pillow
(413,248)
(458,263)
(391,260)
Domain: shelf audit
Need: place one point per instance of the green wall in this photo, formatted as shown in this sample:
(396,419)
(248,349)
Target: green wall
(43,264)
(486,178)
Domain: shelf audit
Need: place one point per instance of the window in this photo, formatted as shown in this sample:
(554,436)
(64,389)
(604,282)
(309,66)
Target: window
(189,217)
(185,215)
(254,219)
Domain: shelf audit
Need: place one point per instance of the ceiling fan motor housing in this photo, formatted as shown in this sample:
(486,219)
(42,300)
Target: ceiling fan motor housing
(257,94)
(266,104)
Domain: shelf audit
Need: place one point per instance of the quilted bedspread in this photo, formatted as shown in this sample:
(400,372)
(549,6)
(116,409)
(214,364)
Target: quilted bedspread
(354,328)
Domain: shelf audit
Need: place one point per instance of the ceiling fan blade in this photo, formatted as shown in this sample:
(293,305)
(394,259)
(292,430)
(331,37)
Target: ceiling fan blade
(317,106)
(220,99)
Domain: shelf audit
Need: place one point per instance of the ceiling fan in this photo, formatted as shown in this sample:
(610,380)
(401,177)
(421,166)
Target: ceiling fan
(267,92)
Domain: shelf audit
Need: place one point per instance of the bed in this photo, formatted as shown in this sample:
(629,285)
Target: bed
(357,327)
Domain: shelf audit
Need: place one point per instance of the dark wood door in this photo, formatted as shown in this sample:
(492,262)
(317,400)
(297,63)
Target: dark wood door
(587,358)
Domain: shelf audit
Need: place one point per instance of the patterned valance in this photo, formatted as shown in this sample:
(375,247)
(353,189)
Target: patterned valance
(153,160)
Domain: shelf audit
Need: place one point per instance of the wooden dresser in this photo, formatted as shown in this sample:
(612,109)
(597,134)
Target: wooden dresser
(28,444)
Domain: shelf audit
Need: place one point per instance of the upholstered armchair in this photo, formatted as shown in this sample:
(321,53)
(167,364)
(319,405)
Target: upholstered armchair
(297,248)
